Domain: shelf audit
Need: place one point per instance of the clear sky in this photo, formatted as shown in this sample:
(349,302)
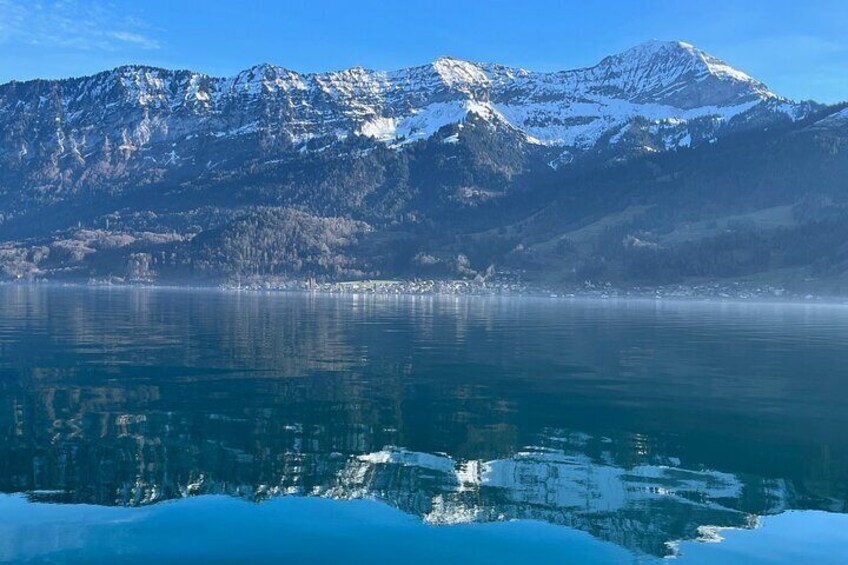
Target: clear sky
(800,49)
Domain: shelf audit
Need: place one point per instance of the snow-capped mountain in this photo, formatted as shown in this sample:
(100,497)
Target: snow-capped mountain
(656,96)
(450,169)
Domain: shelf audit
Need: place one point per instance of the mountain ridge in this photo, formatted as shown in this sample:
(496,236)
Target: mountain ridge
(435,169)
(388,105)
(652,44)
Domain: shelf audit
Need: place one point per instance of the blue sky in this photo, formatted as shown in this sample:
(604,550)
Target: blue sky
(800,49)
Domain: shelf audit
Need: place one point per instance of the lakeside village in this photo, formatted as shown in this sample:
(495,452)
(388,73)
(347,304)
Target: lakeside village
(513,286)
(506,284)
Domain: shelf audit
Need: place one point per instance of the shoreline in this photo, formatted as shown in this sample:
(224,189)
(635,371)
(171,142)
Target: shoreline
(456,289)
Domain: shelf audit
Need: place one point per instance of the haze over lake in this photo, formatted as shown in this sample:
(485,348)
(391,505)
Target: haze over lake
(171,424)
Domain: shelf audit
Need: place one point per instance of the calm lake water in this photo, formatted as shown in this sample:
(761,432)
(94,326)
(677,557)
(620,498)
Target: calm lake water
(181,426)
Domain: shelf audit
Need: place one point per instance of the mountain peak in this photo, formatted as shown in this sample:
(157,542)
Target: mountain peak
(684,53)
(456,72)
(263,70)
(680,74)
(660,45)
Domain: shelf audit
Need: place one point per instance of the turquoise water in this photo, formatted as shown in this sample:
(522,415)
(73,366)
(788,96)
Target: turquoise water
(140,424)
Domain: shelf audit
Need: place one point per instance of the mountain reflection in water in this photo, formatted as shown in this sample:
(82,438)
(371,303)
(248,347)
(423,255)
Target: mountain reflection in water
(641,423)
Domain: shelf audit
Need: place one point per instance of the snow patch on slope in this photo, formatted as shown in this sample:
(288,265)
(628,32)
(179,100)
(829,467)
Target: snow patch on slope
(426,121)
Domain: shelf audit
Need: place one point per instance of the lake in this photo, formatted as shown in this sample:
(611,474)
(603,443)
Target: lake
(198,425)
